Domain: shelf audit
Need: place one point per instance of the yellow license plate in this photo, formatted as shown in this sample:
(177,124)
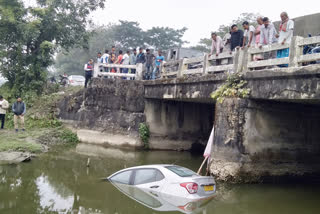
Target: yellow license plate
(208,188)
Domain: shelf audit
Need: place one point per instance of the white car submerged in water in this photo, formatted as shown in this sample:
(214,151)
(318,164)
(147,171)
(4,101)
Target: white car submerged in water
(170,187)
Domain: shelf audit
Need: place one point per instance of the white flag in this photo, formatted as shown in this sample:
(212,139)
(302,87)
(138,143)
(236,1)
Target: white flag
(207,152)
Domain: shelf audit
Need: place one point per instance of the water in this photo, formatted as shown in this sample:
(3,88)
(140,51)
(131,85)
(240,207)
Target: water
(60,182)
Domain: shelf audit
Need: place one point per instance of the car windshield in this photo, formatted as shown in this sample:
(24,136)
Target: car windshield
(181,171)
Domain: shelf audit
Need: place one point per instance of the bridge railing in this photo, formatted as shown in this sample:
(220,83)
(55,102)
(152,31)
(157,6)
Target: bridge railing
(99,71)
(242,60)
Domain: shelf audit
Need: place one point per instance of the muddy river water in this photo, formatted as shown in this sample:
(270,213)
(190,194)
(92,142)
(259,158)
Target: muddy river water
(60,182)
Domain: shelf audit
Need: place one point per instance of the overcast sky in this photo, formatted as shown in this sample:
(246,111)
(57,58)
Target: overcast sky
(200,16)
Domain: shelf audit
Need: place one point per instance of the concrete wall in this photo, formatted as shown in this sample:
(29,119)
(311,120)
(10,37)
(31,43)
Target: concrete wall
(305,25)
(266,138)
(178,125)
(282,132)
(108,112)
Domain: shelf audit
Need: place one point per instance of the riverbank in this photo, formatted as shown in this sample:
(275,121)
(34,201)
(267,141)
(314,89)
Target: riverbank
(43,130)
(22,146)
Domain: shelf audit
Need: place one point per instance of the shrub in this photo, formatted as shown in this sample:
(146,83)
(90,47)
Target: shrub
(144,134)
(234,87)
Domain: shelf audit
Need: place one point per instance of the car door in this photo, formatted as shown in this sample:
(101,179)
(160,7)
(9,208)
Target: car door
(149,179)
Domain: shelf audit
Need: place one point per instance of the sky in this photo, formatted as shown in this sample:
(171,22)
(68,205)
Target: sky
(201,17)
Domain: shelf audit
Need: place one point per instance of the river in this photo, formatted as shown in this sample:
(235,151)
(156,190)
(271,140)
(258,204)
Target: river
(60,182)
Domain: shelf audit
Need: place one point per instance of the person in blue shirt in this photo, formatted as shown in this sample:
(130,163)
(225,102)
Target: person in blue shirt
(159,60)
(141,58)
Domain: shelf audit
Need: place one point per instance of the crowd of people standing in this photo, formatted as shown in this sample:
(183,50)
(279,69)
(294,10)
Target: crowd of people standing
(130,57)
(264,33)
(259,35)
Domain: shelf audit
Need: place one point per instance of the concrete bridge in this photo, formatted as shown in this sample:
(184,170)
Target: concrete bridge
(273,132)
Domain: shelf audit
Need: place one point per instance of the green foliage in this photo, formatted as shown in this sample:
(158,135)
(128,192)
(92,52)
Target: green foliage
(127,35)
(30,36)
(204,45)
(144,134)
(165,38)
(234,87)
(68,136)
(14,145)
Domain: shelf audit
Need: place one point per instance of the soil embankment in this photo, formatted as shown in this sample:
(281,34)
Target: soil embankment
(43,130)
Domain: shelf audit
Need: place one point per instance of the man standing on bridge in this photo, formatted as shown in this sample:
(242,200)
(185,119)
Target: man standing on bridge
(113,58)
(88,68)
(133,60)
(105,58)
(249,37)
(141,58)
(126,61)
(268,36)
(217,45)
(236,37)
(149,64)
(285,35)
(159,60)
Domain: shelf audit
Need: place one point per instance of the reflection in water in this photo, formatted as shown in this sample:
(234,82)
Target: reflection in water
(162,202)
(50,199)
(60,183)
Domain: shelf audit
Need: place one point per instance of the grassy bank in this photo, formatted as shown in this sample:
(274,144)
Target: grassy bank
(43,130)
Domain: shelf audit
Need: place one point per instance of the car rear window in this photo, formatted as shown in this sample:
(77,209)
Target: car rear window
(181,171)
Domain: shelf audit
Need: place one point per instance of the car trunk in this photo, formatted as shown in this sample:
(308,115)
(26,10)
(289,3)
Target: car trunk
(206,186)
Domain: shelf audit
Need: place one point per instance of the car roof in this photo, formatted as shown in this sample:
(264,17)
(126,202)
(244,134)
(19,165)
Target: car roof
(157,166)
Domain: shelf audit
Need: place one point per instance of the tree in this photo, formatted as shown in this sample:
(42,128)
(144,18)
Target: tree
(128,35)
(30,36)
(125,35)
(72,61)
(204,45)
(164,37)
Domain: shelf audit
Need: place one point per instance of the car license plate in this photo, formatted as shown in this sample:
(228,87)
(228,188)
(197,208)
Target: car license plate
(208,188)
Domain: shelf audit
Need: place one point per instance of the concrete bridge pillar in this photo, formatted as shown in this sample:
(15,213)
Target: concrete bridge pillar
(259,139)
(228,149)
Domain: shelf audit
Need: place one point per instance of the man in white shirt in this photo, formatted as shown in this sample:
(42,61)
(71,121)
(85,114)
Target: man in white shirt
(268,36)
(286,29)
(105,59)
(268,33)
(226,42)
(217,46)
(285,35)
(249,37)
(126,61)
(4,105)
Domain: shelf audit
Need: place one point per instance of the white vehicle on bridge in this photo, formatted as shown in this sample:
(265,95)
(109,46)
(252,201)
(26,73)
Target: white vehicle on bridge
(167,181)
